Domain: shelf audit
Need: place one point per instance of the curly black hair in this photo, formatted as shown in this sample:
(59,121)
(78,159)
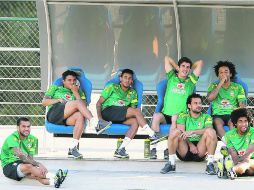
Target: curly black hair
(228,64)
(190,97)
(240,112)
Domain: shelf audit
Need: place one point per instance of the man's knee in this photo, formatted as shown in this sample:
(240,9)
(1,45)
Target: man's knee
(218,123)
(210,132)
(175,133)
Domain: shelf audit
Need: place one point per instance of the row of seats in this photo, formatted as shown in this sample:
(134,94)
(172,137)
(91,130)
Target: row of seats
(121,129)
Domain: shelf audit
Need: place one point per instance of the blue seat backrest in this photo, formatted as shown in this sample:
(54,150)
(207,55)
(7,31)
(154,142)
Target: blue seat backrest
(137,85)
(238,80)
(85,84)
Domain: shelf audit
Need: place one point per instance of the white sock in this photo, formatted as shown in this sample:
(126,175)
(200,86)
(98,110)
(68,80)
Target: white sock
(210,159)
(93,122)
(172,158)
(51,178)
(153,146)
(74,143)
(223,140)
(148,130)
(126,141)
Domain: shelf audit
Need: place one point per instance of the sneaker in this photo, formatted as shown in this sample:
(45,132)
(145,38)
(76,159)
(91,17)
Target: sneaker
(102,126)
(156,138)
(60,177)
(210,170)
(75,153)
(153,154)
(229,164)
(166,154)
(121,153)
(168,168)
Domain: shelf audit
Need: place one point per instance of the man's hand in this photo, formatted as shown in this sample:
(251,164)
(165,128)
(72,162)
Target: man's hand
(223,79)
(43,169)
(62,101)
(193,148)
(74,88)
(186,134)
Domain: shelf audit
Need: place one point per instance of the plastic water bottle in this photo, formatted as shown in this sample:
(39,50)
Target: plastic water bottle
(147,148)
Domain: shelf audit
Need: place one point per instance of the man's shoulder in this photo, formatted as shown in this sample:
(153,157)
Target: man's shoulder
(231,133)
(32,137)
(13,137)
(235,85)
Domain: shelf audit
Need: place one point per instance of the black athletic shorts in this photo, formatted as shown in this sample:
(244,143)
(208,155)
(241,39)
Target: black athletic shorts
(10,170)
(225,118)
(116,114)
(56,114)
(168,118)
(190,156)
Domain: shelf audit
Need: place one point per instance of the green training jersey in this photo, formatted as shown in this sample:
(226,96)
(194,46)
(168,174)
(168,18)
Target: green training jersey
(177,93)
(191,123)
(238,142)
(60,92)
(227,99)
(29,145)
(114,95)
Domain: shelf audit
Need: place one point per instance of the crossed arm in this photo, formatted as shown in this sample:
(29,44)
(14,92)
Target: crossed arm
(237,159)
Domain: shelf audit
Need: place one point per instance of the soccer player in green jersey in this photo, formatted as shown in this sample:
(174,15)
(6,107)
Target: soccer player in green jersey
(225,96)
(240,142)
(17,157)
(67,106)
(182,79)
(117,103)
(193,139)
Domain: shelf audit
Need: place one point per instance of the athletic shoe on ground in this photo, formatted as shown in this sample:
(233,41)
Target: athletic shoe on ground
(168,168)
(156,138)
(75,153)
(210,169)
(60,177)
(166,154)
(102,126)
(153,154)
(121,153)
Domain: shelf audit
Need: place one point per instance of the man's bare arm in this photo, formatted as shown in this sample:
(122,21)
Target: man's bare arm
(170,64)
(197,67)
(98,107)
(24,157)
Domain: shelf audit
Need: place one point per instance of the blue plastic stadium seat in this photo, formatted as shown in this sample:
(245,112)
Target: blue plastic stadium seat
(121,129)
(86,87)
(238,80)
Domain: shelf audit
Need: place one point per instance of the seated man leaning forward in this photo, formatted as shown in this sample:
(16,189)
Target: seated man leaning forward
(67,106)
(225,96)
(240,142)
(181,82)
(117,103)
(17,157)
(193,139)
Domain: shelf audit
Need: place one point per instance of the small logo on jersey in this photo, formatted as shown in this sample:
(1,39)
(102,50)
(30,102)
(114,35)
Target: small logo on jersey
(67,97)
(241,152)
(120,102)
(232,94)
(180,86)
(29,146)
(224,102)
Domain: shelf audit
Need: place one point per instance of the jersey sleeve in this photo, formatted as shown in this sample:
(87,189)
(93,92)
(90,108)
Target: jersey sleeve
(212,87)
(241,95)
(134,100)
(252,138)
(51,91)
(193,78)
(208,121)
(82,94)
(107,91)
(12,142)
(170,74)
(181,119)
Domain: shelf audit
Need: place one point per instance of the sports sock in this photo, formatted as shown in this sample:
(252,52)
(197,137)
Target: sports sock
(210,159)
(148,130)
(74,143)
(172,158)
(93,122)
(126,141)
(51,178)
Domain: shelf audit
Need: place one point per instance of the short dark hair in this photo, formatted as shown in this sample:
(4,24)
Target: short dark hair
(184,59)
(227,64)
(129,71)
(190,97)
(22,119)
(67,73)
(240,112)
